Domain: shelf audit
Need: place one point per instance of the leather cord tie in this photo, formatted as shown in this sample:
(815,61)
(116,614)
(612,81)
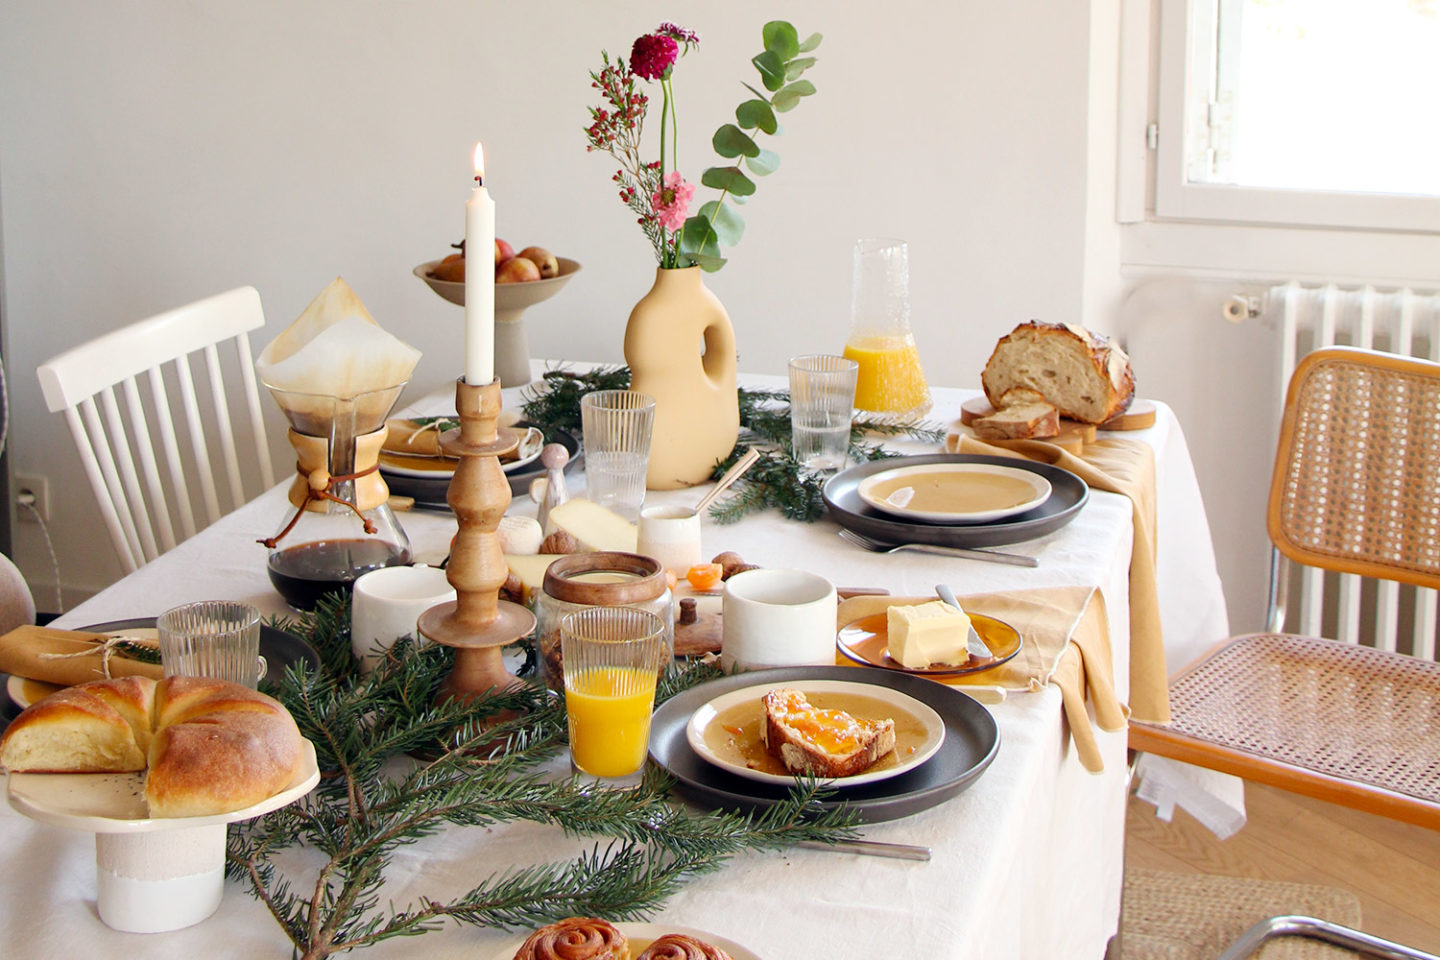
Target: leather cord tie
(318,487)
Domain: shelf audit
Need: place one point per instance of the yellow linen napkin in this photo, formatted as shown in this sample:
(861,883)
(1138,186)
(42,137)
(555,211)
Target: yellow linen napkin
(1127,467)
(41,653)
(1067,643)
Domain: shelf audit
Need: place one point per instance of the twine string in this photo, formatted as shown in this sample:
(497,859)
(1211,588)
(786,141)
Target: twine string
(321,491)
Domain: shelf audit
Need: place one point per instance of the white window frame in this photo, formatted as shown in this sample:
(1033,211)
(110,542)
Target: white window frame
(1186,31)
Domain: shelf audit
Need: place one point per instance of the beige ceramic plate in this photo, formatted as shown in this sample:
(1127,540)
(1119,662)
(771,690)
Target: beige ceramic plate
(726,730)
(640,936)
(954,492)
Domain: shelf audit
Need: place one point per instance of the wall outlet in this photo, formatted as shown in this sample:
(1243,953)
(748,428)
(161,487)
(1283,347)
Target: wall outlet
(35,490)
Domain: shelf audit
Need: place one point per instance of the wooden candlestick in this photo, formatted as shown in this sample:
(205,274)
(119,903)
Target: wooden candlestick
(477,623)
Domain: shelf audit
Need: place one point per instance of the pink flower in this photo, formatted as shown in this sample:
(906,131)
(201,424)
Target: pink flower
(668,29)
(652,55)
(672,201)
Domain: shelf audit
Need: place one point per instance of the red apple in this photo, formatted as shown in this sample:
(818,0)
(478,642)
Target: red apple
(542,258)
(503,251)
(517,270)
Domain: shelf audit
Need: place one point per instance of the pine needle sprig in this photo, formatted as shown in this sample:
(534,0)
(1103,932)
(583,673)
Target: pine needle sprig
(478,765)
(555,401)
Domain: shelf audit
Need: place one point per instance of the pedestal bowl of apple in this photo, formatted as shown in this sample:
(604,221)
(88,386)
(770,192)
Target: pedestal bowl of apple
(521,281)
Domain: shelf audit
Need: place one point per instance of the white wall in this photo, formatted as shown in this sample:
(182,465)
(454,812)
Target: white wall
(155,152)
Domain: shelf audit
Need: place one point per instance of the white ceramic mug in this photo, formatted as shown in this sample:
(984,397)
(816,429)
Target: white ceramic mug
(387,602)
(777,618)
(672,536)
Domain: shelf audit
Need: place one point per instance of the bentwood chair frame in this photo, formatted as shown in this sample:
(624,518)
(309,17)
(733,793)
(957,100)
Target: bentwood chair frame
(82,382)
(1355,490)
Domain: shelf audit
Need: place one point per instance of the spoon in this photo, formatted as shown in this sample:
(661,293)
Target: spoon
(973,643)
(731,475)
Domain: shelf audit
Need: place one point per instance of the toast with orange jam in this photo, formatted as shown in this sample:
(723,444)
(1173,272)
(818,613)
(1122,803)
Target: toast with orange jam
(819,741)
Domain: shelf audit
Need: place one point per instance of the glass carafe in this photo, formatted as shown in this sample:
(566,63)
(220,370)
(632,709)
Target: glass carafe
(890,378)
(339,524)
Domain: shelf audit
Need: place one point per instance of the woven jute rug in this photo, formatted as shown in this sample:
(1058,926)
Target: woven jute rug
(1173,916)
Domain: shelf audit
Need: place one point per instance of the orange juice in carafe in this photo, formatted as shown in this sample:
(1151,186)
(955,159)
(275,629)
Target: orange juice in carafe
(890,379)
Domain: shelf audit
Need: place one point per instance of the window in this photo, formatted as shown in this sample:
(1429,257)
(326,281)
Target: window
(1307,112)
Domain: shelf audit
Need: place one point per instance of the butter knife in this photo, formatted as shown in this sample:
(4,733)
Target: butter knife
(973,643)
(870,848)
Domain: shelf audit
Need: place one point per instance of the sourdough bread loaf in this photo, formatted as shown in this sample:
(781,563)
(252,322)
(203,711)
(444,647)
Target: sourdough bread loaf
(1083,374)
(208,746)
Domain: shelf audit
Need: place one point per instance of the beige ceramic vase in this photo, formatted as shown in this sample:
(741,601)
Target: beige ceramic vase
(681,350)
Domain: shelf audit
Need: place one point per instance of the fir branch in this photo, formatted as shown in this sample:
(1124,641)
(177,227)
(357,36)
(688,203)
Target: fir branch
(554,403)
(481,770)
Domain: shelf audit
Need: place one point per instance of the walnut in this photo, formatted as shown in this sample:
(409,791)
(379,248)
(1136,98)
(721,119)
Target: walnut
(512,589)
(730,563)
(561,541)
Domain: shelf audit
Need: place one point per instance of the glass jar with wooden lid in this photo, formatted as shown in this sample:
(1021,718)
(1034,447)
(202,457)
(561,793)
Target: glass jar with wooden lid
(601,579)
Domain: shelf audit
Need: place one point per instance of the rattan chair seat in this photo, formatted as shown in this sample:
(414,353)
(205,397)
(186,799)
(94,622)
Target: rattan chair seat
(1349,712)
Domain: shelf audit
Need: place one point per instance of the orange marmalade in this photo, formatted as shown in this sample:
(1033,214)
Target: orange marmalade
(832,731)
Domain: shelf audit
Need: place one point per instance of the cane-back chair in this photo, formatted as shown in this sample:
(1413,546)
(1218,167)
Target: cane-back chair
(1355,490)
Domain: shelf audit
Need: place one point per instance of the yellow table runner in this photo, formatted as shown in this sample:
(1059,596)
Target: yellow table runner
(1067,643)
(1124,466)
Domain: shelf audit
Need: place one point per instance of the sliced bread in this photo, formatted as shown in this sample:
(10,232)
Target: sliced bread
(822,742)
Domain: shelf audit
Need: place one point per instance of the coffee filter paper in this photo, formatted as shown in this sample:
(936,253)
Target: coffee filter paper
(335,350)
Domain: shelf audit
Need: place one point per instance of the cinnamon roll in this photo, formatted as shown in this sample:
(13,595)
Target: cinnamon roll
(576,938)
(677,946)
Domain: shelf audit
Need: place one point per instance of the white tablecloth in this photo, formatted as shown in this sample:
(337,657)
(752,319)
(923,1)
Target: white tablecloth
(1026,863)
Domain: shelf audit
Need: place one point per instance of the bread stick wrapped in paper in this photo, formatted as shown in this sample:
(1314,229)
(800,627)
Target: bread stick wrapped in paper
(335,349)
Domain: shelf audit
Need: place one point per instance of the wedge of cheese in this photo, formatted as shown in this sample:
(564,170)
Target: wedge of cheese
(926,633)
(530,568)
(594,527)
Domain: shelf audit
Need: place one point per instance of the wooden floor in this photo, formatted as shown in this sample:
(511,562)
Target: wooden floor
(1393,868)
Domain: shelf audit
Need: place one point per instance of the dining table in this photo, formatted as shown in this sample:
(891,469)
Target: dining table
(1026,862)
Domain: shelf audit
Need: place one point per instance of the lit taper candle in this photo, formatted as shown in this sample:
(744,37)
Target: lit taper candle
(479,279)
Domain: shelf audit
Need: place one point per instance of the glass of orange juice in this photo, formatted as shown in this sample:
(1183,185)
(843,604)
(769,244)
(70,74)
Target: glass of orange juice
(890,379)
(610,657)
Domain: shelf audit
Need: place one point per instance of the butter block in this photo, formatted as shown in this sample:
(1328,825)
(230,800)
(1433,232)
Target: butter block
(519,535)
(926,633)
(530,568)
(594,526)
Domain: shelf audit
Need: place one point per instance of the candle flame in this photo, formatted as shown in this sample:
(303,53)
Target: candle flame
(479,162)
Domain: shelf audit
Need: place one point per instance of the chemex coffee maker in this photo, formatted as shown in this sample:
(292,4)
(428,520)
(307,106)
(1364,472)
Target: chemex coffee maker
(336,376)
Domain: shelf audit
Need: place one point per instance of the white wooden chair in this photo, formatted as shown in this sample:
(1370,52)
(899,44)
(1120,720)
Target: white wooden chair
(137,504)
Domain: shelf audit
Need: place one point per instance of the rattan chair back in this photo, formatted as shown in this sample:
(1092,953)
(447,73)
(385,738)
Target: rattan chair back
(1356,486)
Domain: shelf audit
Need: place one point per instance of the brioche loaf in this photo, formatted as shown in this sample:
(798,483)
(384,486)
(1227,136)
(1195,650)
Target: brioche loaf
(210,746)
(1084,375)
(821,742)
(576,938)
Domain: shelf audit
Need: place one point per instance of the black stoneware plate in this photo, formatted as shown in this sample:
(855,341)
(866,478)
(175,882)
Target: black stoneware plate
(1068,494)
(429,492)
(971,742)
(279,648)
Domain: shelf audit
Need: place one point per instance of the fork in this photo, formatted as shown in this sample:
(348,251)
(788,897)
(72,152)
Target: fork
(994,556)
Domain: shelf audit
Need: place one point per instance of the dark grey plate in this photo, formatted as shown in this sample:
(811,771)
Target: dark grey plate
(429,492)
(279,648)
(1068,493)
(971,742)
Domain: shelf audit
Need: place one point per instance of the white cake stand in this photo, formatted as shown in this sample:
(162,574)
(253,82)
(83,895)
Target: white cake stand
(151,875)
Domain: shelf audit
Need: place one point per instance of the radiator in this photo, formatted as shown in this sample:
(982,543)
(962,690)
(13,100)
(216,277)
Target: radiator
(1348,607)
